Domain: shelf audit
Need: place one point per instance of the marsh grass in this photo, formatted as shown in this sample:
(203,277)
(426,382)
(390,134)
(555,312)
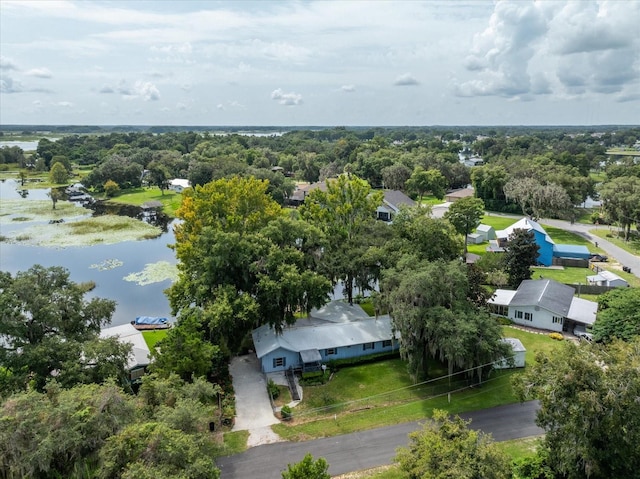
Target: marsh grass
(154,273)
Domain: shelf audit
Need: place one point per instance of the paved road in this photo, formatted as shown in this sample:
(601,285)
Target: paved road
(366,449)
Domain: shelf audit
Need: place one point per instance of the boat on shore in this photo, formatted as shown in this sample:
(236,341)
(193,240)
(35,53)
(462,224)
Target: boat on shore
(145,323)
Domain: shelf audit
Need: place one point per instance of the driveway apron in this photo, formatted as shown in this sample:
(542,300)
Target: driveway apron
(253,408)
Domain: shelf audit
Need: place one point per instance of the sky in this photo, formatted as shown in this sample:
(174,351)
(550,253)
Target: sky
(320,63)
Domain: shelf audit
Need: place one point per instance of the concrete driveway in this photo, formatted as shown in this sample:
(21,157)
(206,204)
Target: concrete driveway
(253,408)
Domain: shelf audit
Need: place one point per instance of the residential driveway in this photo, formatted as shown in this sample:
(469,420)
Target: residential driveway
(253,408)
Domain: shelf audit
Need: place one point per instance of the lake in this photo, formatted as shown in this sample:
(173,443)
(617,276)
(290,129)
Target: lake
(24,145)
(132,299)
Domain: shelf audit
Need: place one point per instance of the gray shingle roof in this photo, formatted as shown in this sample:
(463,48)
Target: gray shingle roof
(395,199)
(548,294)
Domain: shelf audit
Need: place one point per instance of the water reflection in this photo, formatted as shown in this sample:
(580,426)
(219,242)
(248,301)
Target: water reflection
(153,216)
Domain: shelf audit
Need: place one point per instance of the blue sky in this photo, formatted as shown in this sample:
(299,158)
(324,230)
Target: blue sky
(320,62)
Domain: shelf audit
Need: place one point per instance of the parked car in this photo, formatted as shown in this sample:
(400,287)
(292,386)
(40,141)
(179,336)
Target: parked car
(582,334)
(597,257)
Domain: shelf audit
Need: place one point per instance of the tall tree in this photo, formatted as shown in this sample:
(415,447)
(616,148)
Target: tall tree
(465,215)
(343,212)
(520,254)
(538,200)
(423,181)
(46,325)
(588,407)
(58,174)
(621,201)
(618,315)
(447,448)
(235,268)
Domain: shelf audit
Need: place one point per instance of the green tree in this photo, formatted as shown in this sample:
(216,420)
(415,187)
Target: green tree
(55,195)
(618,315)
(46,326)
(395,176)
(158,175)
(520,254)
(621,201)
(465,215)
(111,188)
(307,469)
(588,407)
(447,448)
(58,174)
(539,200)
(433,307)
(422,181)
(343,212)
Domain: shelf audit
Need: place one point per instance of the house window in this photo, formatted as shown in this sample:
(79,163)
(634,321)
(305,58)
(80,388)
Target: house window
(528,316)
(518,314)
(557,320)
(330,351)
(366,346)
(279,362)
(383,215)
(386,343)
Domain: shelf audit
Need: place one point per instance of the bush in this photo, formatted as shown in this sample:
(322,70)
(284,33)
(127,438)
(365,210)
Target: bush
(286,413)
(312,379)
(111,188)
(504,321)
(556,336)
(273,390)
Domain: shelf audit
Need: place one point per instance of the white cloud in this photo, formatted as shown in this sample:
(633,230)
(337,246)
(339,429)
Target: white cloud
(63,104)
(147,90)
(8,85)
(348,88)
(289,99)
(406,79)
(7,64)
(39,73)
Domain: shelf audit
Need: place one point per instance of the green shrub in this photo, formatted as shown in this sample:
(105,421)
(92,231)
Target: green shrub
(314,378)
(286,413)
(504,321)
(273,390)
(556,336)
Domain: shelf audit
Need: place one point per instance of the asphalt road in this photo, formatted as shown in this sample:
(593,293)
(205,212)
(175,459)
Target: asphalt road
(366,449)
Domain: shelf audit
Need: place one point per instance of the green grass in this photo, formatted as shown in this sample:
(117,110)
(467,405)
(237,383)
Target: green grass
(567,275)
(368,307)
(137,196)
(372,395)
(520,448)
(152,337)
(234,442)
(429,200)
(498,222)
(632,246)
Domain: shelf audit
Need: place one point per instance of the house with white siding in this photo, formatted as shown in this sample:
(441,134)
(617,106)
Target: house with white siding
(544,304)
(338,330)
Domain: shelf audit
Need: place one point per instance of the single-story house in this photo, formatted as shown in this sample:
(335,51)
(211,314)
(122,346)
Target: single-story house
(607,278)
(335,331)
(544,304)
(301,192)
(140,356)
(519,352)
(456,195)
(542,239)
(475,238)
(473,161)
(486,231)
(179,184)
(391,203)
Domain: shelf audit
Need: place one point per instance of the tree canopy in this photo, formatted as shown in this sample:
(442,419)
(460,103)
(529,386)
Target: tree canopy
(307,469)
(520,254)
(588,407)
(618,315)
(465,215)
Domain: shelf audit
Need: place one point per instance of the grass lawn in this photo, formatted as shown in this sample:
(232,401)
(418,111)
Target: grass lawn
(567,275)
(152,337)
(234,442)
(632,246)
(498,222)
(137,196)
(381,394)
(566,237)
(429,200)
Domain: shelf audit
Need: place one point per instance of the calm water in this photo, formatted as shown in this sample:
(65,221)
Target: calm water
(132,300)
(25,145)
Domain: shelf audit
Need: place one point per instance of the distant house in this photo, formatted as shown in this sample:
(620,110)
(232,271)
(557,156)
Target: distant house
(139,358)
(544,304)
(542,239)
(486,231)
(456,195)
(335,331)
(391,203)
(607,278)
(179,184)
(519,352)
(301,192)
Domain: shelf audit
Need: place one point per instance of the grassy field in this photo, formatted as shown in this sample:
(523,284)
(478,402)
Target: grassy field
(234,442)
(137,196)
(381,394)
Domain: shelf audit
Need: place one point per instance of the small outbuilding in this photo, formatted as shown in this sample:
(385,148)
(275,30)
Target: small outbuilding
(607,278)
(456,195)
(140,356)
(486,231)
(179,184)
(519,353)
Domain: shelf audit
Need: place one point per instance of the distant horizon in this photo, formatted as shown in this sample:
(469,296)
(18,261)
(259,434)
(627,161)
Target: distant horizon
(248,126)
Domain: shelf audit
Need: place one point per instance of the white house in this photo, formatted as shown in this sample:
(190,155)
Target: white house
(544,304)
(140,357)
(519,352)
(607,278)
(335,331)
(487,232)
(391,203)
(179,184)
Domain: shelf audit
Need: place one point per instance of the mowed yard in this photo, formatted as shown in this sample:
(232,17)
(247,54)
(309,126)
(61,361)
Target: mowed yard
(382,393)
